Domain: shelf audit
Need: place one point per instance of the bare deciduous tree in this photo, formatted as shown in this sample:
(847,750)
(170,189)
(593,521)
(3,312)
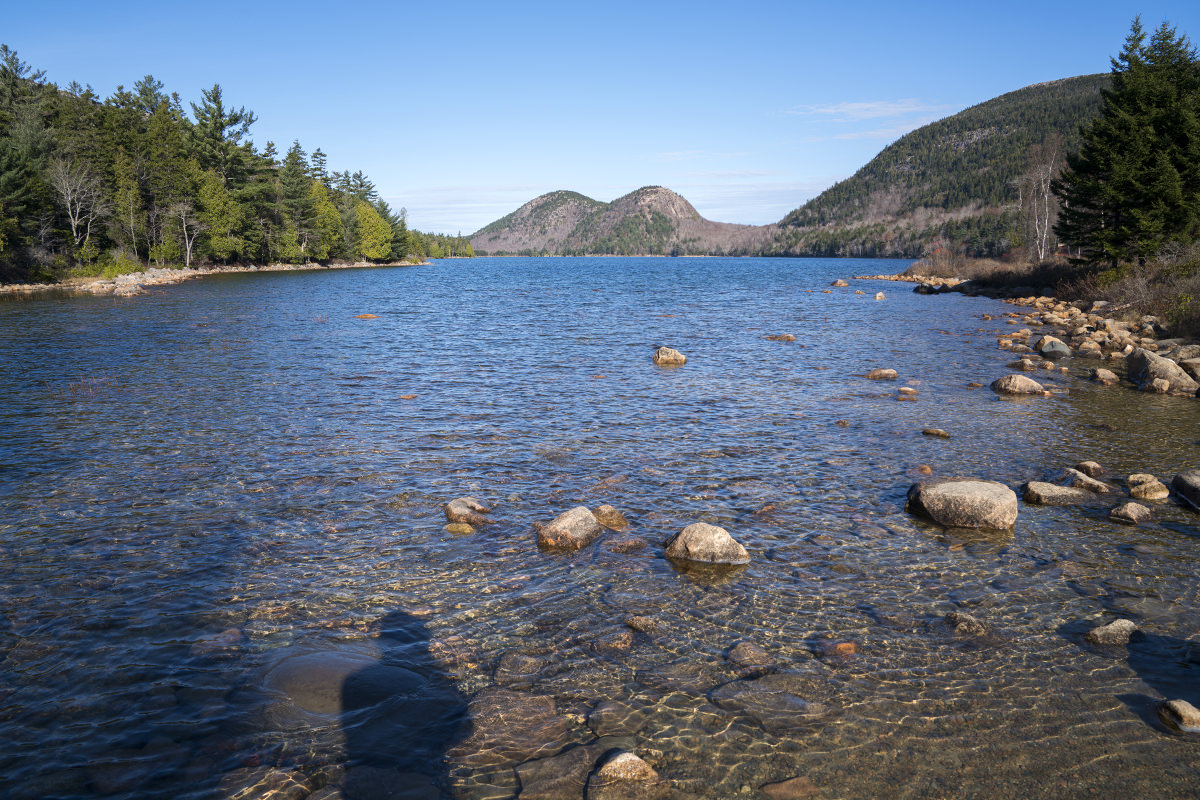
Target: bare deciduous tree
(1038,204)
(192,227)
(81,193)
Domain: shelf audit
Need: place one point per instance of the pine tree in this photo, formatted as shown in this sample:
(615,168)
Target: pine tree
(1135,183)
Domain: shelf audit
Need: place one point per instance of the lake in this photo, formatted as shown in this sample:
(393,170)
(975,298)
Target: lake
(224,569)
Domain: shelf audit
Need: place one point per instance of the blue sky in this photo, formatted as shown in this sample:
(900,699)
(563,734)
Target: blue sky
(462,111)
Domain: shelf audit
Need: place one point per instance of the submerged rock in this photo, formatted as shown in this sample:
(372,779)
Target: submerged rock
(625,776)
(668,357)
(798,788)
(509,727)
(965,625)
(964,503)
(570,530)
(558,777)
(780,337)
(615,718)
(780,702)
(750,660)
(706,543)
(1016,384)
(611,518)
(1114,633)
(466,510)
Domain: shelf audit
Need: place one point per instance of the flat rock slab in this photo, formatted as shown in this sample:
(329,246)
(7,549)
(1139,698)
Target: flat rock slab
(964,503)
(779,702)
(708,544)
(798,788)
(318,682)
(1039,493)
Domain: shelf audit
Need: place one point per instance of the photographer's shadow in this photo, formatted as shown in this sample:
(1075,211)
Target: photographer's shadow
(400,715)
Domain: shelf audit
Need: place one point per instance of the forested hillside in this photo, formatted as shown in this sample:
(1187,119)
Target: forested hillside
(105,186)
(956,181)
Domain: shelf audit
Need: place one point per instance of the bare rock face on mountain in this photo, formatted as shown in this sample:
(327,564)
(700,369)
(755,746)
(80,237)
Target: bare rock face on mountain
(651,221)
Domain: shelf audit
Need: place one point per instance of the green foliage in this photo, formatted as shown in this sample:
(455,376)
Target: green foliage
(955,177)
(1134,186)
(374,233)
(166,188)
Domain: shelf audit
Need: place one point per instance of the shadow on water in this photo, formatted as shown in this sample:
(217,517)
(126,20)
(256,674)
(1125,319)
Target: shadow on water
(400,715)
(1170,666)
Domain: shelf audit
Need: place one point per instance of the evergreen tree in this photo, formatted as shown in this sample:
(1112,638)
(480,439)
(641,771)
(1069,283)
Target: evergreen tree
(218,133)
(1135,183)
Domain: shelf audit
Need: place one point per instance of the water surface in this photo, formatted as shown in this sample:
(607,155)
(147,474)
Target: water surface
(241,457)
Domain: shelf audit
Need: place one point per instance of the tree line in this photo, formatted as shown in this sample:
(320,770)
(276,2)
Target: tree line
(92,186)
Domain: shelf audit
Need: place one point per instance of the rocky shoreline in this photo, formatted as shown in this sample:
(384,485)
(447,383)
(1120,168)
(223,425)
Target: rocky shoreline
(135,283)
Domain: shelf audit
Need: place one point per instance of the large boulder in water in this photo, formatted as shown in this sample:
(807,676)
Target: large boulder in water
(570,530)
(669,357)
(1050,347)
(964,503)
(1016,384)
(1187,487)
(1145,367)
(708,544)
(466,510)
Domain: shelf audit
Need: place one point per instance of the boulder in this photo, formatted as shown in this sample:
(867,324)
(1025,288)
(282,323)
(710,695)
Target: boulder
(1187,488)
(1091,469)
(1114,633)
(1147,487)
(570,530)
(1104,377)
(466,510)
(1075,478)
(780,337)
(1050,347)
(839,282)
(937,433)
(1039,493)
(1025,365)
(1016,384)
(1192,367)
(1133,513)
(706,543)
(1180,715)
(669,357)
(1145,367)
(925,288)
(883,374)
(879,296)
(964,503)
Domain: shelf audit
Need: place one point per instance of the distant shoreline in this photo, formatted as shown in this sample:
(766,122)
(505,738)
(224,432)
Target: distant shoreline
(134,283)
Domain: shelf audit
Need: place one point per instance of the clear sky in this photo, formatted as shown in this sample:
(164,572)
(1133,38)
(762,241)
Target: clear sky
(462,111)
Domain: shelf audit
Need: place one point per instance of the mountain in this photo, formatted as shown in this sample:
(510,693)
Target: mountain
(954,182)
(649,221)
(955,179)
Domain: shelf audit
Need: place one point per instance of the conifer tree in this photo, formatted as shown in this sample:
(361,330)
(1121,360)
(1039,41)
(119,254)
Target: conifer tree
(1135,183)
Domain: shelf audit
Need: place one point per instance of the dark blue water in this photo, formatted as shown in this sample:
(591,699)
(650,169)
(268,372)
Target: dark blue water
(224,570)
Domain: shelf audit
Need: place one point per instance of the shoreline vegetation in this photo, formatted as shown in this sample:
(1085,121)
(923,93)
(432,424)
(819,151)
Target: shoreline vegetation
(110,187)
(134,283)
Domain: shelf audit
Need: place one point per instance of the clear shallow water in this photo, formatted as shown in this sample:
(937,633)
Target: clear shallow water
(235,454)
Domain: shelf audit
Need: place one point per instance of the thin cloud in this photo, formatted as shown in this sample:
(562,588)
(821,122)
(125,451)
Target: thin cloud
(859,111)
(696,155)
